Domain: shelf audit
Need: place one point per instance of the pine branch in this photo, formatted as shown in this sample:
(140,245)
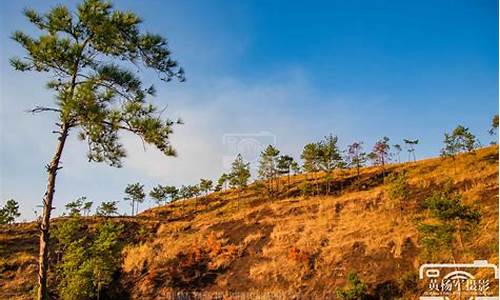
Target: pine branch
(39,109)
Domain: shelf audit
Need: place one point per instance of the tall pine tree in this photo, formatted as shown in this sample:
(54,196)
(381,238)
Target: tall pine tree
(86,54)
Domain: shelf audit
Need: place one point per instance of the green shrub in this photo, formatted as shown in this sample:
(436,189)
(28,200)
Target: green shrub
(451,220)
(356,289)
(88,264)
(397,189)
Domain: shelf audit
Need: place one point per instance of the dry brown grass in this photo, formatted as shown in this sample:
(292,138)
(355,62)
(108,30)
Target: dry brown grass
(298,243)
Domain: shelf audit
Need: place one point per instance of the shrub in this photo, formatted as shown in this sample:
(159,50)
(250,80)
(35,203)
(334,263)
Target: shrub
(88,264)
(397,189)
(356,289)
(451,220)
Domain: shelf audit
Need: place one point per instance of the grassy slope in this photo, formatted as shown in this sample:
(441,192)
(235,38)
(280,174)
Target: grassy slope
(292,243)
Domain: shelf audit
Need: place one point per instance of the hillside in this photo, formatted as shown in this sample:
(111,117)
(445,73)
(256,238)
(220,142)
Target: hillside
(295,243)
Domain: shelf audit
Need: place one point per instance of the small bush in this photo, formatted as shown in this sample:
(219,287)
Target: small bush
(397,189)
(356,289)
(436,238)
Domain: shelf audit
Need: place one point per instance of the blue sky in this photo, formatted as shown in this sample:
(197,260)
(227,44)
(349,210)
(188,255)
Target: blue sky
(292,70)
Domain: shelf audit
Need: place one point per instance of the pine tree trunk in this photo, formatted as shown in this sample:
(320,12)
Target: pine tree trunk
(43,258)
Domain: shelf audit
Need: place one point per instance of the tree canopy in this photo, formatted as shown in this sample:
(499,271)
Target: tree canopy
(88,54)
(9,212)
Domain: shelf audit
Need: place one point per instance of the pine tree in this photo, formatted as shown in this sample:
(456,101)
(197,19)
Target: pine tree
(295,167)
(206,185)
(172,192)
(285,165)
(9,212)
(189,191)
(398,149)
(310,158)
(458,141)
(381,152)
(159,194)
(239,176)
(329,157)
(184,192)
(453,219)
(268,165)
(86,207)
(79,207)
(494,125)
(240,173)
(134,193)
(86,54)
(74,207)
(357,158)
(222,182)
(410,145)
(107,209)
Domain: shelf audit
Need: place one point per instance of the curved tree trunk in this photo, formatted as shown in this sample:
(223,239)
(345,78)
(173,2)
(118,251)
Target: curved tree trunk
(43,259)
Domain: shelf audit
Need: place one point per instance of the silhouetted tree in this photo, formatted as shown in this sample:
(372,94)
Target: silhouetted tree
(9,212)
(86,53)
(135,194)
(494,127)
(398,149)
(410,147)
